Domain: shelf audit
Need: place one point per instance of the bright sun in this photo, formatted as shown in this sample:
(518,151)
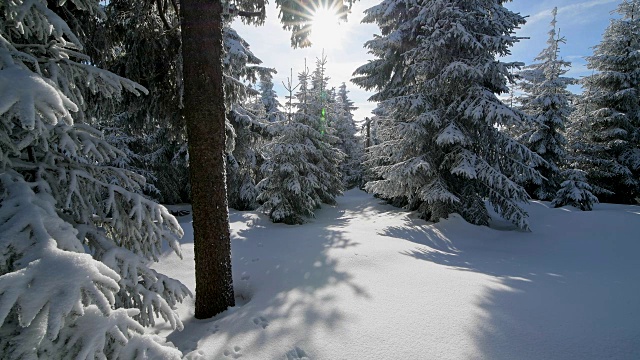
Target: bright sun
(327,29)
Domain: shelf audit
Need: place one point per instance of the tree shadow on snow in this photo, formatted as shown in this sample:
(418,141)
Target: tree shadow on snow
(285,280)
(568,290)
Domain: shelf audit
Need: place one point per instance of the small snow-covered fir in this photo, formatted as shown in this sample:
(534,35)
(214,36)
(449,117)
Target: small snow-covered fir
(547,101)
(350,144)
(302,166)
(269,99)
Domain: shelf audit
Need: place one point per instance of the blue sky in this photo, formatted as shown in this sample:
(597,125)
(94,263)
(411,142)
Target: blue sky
(582,22)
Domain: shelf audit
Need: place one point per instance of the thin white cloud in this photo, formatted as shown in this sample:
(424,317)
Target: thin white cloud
(574,10)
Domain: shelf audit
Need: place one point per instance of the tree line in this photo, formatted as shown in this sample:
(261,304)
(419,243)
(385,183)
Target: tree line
(444,141)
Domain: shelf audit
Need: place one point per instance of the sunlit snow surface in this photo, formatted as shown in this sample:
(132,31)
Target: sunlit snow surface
(364,280)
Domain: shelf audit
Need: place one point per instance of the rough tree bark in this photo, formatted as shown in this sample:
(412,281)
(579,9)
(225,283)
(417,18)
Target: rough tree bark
(204,114)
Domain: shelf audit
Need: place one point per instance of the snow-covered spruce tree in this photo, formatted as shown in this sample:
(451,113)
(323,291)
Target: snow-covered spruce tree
(316,113)
(270,99)
(301,169)
(249,128)
(437,77)
(243,165)
(350,144)
(76,234)
(605,129)
(561,172)
(381,130)
(547,101)
(575,191)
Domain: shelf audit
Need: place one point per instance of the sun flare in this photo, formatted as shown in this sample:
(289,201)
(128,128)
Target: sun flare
(327,28)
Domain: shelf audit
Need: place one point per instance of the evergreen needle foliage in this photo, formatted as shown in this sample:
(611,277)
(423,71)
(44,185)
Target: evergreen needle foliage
(436,77)
(547,101)
(303,166)
(77,232)
(605,130)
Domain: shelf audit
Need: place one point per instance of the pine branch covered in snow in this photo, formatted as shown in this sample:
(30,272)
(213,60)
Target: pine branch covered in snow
(77,233)
(154,294)
(48,284)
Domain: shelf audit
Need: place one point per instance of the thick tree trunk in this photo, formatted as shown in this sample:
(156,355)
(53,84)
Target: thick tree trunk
(204,113)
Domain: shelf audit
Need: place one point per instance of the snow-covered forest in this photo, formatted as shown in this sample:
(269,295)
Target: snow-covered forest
(484,209)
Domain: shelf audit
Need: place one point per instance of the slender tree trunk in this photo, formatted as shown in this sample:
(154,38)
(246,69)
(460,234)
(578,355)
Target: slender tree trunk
(368,122)
(204,113)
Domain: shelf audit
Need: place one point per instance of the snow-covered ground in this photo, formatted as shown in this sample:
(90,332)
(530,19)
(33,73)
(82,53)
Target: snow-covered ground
(364,280)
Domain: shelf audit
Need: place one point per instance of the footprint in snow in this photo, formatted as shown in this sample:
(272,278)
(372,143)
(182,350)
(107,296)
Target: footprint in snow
(245,276)
(254,260)
(233,354)
(261,321)
(214,329)
(297,354)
